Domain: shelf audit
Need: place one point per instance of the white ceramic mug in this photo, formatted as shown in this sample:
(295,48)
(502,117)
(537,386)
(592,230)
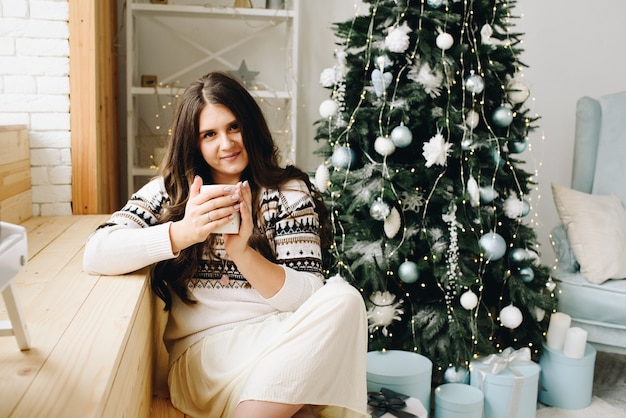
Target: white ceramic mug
(233,226)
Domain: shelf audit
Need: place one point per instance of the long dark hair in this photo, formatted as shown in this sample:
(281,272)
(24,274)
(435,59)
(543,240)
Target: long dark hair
(183,161)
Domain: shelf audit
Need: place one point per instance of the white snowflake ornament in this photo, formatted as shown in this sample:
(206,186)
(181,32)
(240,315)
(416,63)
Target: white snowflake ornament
(430,79)
(383,311)
(436,150)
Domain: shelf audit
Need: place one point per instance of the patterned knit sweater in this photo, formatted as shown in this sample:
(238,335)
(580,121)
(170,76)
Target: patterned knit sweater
(133,238)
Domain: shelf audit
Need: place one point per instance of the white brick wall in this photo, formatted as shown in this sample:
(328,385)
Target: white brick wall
(34,91)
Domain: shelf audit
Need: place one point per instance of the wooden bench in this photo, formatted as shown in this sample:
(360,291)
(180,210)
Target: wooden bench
(96,348)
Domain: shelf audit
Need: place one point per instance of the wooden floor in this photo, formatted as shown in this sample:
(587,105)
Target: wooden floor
(91,336)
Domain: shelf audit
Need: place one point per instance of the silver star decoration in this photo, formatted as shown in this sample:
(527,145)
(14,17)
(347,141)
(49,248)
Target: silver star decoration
(244,75)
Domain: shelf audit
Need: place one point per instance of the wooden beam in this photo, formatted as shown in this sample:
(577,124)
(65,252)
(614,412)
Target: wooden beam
(93,107)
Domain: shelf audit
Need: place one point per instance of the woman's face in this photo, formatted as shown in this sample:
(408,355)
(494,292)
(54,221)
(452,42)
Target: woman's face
(221,144)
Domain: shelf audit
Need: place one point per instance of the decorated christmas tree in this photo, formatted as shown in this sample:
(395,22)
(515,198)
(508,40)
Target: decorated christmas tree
(423,137)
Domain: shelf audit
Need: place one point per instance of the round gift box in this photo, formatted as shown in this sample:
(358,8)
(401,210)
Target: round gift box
(401,371)
(566,382)
(458,400)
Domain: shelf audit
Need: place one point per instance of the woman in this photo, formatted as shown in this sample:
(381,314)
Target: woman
(252,330)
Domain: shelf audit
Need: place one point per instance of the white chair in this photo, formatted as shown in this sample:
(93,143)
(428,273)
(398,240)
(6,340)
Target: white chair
(13,258)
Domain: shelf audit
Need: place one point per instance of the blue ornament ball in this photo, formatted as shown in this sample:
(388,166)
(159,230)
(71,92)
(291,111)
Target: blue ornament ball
(343,157)
(401,136)
(408,272)
(525,207)
(518,255)
(527,274)
(502,116)
(493,246)
(487,194)
(456,375)
(517,146)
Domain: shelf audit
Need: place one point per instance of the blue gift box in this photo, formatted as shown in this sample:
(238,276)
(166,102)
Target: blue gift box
(509,382)
(401,371)
(458,400)
(566,383)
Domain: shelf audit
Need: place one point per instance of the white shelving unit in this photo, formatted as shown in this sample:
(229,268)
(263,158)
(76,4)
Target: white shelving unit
(178,42)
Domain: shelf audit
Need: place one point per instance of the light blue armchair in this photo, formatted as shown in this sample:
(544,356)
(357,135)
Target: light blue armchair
(590,244)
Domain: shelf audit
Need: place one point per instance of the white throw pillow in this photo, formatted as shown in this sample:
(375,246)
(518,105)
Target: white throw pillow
(596,229)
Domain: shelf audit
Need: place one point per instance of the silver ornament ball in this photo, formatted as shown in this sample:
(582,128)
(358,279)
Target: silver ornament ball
(474,83)
(379,210)
(343,157)
(527,274)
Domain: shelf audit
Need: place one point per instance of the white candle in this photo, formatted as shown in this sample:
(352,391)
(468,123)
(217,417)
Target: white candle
(575,343)
(559,324)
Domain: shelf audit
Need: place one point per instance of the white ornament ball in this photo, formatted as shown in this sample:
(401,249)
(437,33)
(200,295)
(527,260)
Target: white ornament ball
(474,83)
(454,375)
(472,118)
(322,178)
(493,246)
(401,136)
(502,116)
(408,272)
(511,317)
(384,146)
(328,108)
(435,4)
(444,41)
(392,223)
(517,92)
(343,157)
(469,300)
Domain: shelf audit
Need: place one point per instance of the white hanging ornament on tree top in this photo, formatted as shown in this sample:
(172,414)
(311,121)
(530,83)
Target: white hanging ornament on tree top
(384,146)
(511,317)
(474,83)
(444,41)
(469,300)
(383,311)
(322,178)
(328,108)
(398,39)
(379,209)
(401,136)
(493,246)
(502,116)
(517,92)
(392,223)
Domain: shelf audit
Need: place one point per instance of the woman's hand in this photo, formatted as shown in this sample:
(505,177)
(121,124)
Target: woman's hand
(235,244)
(205,211)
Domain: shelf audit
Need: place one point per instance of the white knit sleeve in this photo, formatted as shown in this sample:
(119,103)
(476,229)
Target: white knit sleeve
(133,237)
